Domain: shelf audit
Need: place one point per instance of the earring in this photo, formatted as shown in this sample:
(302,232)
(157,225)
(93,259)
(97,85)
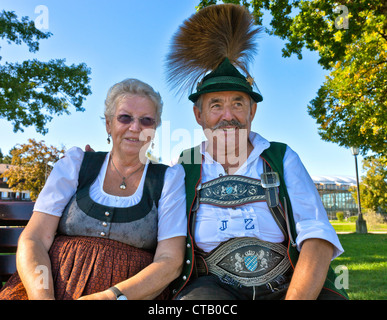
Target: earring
(108,139)
(152,145)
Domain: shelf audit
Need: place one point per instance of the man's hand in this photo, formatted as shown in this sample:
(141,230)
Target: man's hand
(89,149)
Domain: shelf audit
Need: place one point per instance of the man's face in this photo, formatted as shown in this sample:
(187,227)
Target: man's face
(227,116)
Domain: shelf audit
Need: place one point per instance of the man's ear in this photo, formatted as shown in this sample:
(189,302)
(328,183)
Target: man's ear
(198,115)
(253,110)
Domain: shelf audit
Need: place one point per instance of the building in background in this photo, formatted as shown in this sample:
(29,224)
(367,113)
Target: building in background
(6,193)
(336,195)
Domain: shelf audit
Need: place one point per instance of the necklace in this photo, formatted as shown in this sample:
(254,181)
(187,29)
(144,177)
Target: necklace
(123,184)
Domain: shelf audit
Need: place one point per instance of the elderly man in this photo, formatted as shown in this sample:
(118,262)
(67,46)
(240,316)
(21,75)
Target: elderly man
(257,227)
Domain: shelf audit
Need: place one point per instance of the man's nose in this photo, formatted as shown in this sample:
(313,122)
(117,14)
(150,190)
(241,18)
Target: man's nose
(227,113)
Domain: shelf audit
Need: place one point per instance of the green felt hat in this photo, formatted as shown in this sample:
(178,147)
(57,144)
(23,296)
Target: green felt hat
(226,78)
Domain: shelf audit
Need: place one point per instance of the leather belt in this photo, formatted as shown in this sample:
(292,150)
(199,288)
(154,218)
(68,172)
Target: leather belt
(248,261)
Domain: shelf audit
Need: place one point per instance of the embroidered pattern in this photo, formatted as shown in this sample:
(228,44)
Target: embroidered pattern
(231,191)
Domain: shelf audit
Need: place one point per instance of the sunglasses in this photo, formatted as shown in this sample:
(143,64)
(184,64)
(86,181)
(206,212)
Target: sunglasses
(127,119)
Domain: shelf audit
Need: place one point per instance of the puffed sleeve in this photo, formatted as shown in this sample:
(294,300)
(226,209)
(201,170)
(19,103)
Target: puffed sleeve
(61,184)
(309,213)
(172,205)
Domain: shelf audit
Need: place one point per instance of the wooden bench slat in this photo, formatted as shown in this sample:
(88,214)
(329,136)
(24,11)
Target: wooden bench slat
(15,213)
(7,267)
(11,214)
(9,237)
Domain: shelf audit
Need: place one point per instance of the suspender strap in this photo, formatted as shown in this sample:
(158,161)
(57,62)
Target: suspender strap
(91,165)
(271,181)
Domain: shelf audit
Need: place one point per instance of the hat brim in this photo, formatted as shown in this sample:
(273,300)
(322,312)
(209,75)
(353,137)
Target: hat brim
(221,88)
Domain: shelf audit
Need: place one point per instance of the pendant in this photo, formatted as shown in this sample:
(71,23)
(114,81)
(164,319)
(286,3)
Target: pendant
(123,185)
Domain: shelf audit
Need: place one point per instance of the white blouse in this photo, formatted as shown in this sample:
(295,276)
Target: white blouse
(62,184)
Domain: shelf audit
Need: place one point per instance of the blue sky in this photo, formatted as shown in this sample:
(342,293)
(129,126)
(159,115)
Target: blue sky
(121,39)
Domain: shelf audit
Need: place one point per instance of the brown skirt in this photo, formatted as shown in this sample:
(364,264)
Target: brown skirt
(86,265)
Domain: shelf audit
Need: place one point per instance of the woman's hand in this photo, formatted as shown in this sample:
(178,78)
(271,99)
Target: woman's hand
(103,295)
(152,280)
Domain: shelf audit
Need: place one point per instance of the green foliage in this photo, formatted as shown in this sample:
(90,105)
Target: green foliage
(352,218)
(31,166)
(351,105)
(18,32)
(205,3)
(5,158)
(340,215)
(32,92)
(373,187)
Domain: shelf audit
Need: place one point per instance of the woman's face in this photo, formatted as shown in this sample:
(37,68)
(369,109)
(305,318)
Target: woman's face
(132,127)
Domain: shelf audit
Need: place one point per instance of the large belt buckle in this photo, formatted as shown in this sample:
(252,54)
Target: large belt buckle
(249,261)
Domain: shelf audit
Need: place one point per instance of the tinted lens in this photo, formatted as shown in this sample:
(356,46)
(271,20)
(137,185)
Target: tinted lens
(147,122)
(125,119)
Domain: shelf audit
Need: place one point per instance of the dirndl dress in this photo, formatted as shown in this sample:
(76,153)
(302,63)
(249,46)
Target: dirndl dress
(96,246)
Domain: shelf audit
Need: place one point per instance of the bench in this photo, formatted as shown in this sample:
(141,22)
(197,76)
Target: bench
(14,216)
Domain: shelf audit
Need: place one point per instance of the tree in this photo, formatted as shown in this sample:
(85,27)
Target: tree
(32,91)
(373,188)
(351,39)
(351,106)
(31,165)
(5,159)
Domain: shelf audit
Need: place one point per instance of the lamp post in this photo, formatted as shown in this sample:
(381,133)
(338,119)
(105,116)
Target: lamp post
(361,226)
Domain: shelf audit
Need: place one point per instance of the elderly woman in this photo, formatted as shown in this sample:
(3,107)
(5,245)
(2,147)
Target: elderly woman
(107,225)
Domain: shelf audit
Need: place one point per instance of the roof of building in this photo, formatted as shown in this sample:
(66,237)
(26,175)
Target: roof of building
(338,180)
(4,167)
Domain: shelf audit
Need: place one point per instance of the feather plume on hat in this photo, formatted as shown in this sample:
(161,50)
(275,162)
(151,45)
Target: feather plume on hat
(206,39)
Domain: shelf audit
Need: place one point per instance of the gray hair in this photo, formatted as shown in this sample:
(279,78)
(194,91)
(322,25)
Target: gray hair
(132,87)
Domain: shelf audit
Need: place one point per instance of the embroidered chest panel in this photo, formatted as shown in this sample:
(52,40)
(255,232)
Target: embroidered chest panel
(231,191)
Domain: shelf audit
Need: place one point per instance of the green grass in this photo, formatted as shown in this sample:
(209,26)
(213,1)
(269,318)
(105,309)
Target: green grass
(344,226)
(351,226)
(365,257)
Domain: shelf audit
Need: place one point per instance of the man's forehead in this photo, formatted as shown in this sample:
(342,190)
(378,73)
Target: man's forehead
(226,95)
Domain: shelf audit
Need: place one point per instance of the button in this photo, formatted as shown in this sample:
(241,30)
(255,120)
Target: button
(184,278)
(188,262)
(107,213)
(103,234)
(104,224)
(188,245)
